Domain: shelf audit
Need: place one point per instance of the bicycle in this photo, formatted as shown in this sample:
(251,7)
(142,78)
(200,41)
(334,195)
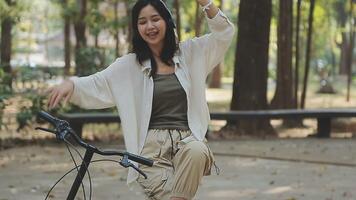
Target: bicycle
(63,131)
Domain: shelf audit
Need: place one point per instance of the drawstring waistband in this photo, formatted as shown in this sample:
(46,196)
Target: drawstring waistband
(172,142)
(170,135)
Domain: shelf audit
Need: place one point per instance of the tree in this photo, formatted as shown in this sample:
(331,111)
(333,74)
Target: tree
(251,65)
(297,54)
(178,18)
(349,56)
(307,53)
(128,6)
(199,16)
(6,40)
(95,20)
(66,31)
(79,29)
(116,28)
(215,81)
(284,97)
(341,18)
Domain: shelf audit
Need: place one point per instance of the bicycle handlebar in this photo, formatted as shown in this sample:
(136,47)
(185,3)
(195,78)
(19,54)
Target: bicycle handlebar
(62,128)
(49,118)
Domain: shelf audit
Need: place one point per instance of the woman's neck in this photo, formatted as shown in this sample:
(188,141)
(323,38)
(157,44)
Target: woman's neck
(156,50)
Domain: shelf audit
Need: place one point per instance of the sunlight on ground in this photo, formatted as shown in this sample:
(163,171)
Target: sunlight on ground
(233,194)
(277,190)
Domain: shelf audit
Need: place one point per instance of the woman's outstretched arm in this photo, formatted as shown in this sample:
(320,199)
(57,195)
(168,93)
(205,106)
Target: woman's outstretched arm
(90,92)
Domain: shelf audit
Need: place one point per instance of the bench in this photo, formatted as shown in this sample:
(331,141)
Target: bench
(77,120)
(323,117)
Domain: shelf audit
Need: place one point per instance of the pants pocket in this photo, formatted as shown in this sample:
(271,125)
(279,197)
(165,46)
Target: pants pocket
(155,186)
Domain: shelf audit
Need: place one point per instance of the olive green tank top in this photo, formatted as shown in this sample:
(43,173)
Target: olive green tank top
(169,105)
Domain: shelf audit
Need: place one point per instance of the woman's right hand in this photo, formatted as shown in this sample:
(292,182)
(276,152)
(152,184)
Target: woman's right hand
(59,92)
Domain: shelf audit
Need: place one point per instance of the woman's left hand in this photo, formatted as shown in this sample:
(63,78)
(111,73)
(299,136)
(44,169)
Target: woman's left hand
(212,10)
(203,2)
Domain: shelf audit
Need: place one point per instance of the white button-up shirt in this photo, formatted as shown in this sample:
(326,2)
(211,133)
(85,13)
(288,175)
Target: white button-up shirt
(127,85)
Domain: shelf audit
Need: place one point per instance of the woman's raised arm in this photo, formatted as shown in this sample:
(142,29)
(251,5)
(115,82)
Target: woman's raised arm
(211,47)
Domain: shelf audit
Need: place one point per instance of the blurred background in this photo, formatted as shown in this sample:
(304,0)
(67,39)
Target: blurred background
(285,54)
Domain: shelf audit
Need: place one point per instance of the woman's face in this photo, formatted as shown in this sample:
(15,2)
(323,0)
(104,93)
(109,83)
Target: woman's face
(151,27)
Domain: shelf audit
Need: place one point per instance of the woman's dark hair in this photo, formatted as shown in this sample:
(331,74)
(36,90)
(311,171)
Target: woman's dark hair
(140,47)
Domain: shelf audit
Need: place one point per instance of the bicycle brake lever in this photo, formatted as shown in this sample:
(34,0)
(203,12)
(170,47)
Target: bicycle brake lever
(60,136)
(126,163)
(138,170)
(46,130)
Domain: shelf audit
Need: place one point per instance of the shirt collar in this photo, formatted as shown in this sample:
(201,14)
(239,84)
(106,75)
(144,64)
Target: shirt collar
(146,65)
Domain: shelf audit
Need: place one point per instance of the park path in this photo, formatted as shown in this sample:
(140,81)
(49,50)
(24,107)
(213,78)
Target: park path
(276,169)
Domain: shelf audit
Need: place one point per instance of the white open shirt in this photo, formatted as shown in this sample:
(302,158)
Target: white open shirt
(127,85)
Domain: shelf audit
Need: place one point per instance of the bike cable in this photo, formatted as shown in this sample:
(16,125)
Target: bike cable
(76,168)
(75,164)
(81,157)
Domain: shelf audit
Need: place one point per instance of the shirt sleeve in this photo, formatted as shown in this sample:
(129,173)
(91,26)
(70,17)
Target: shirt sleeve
(94,91)
(213,46)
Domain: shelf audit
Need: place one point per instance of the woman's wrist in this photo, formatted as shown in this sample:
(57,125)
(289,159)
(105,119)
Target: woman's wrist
(209,7)
(206,6)
(204,2)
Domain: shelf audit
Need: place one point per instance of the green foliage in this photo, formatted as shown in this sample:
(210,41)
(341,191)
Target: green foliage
(89,60)
(28,112)
(14,11)
(95,19)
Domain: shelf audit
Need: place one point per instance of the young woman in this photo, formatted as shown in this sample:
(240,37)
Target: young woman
(159,90)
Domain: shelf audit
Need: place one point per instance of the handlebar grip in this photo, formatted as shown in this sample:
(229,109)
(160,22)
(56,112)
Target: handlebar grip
(140,159)
(49,118)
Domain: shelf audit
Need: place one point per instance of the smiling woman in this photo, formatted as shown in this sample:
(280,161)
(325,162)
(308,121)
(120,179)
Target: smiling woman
(152,28)
(154,35)
(159,90)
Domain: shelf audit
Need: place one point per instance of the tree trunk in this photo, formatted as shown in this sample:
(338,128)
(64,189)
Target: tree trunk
(284,97)
(116,35)
(297,54)
(251,66)
(178,18)
(308,50)
(80,28)
(341,17)
(199,16)
(344,46)
(67,45)
(215,78)
(350,51)
(96,41)
(215,81)
(6,44)
(129,28)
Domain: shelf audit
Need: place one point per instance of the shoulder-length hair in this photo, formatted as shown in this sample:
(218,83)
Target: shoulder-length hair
(140,47)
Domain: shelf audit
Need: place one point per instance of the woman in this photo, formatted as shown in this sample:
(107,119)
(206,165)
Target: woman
(159,90)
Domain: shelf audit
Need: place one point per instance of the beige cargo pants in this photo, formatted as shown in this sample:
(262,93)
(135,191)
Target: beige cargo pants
(179,166)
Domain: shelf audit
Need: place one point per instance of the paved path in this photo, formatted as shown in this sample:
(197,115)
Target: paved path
(289,169)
